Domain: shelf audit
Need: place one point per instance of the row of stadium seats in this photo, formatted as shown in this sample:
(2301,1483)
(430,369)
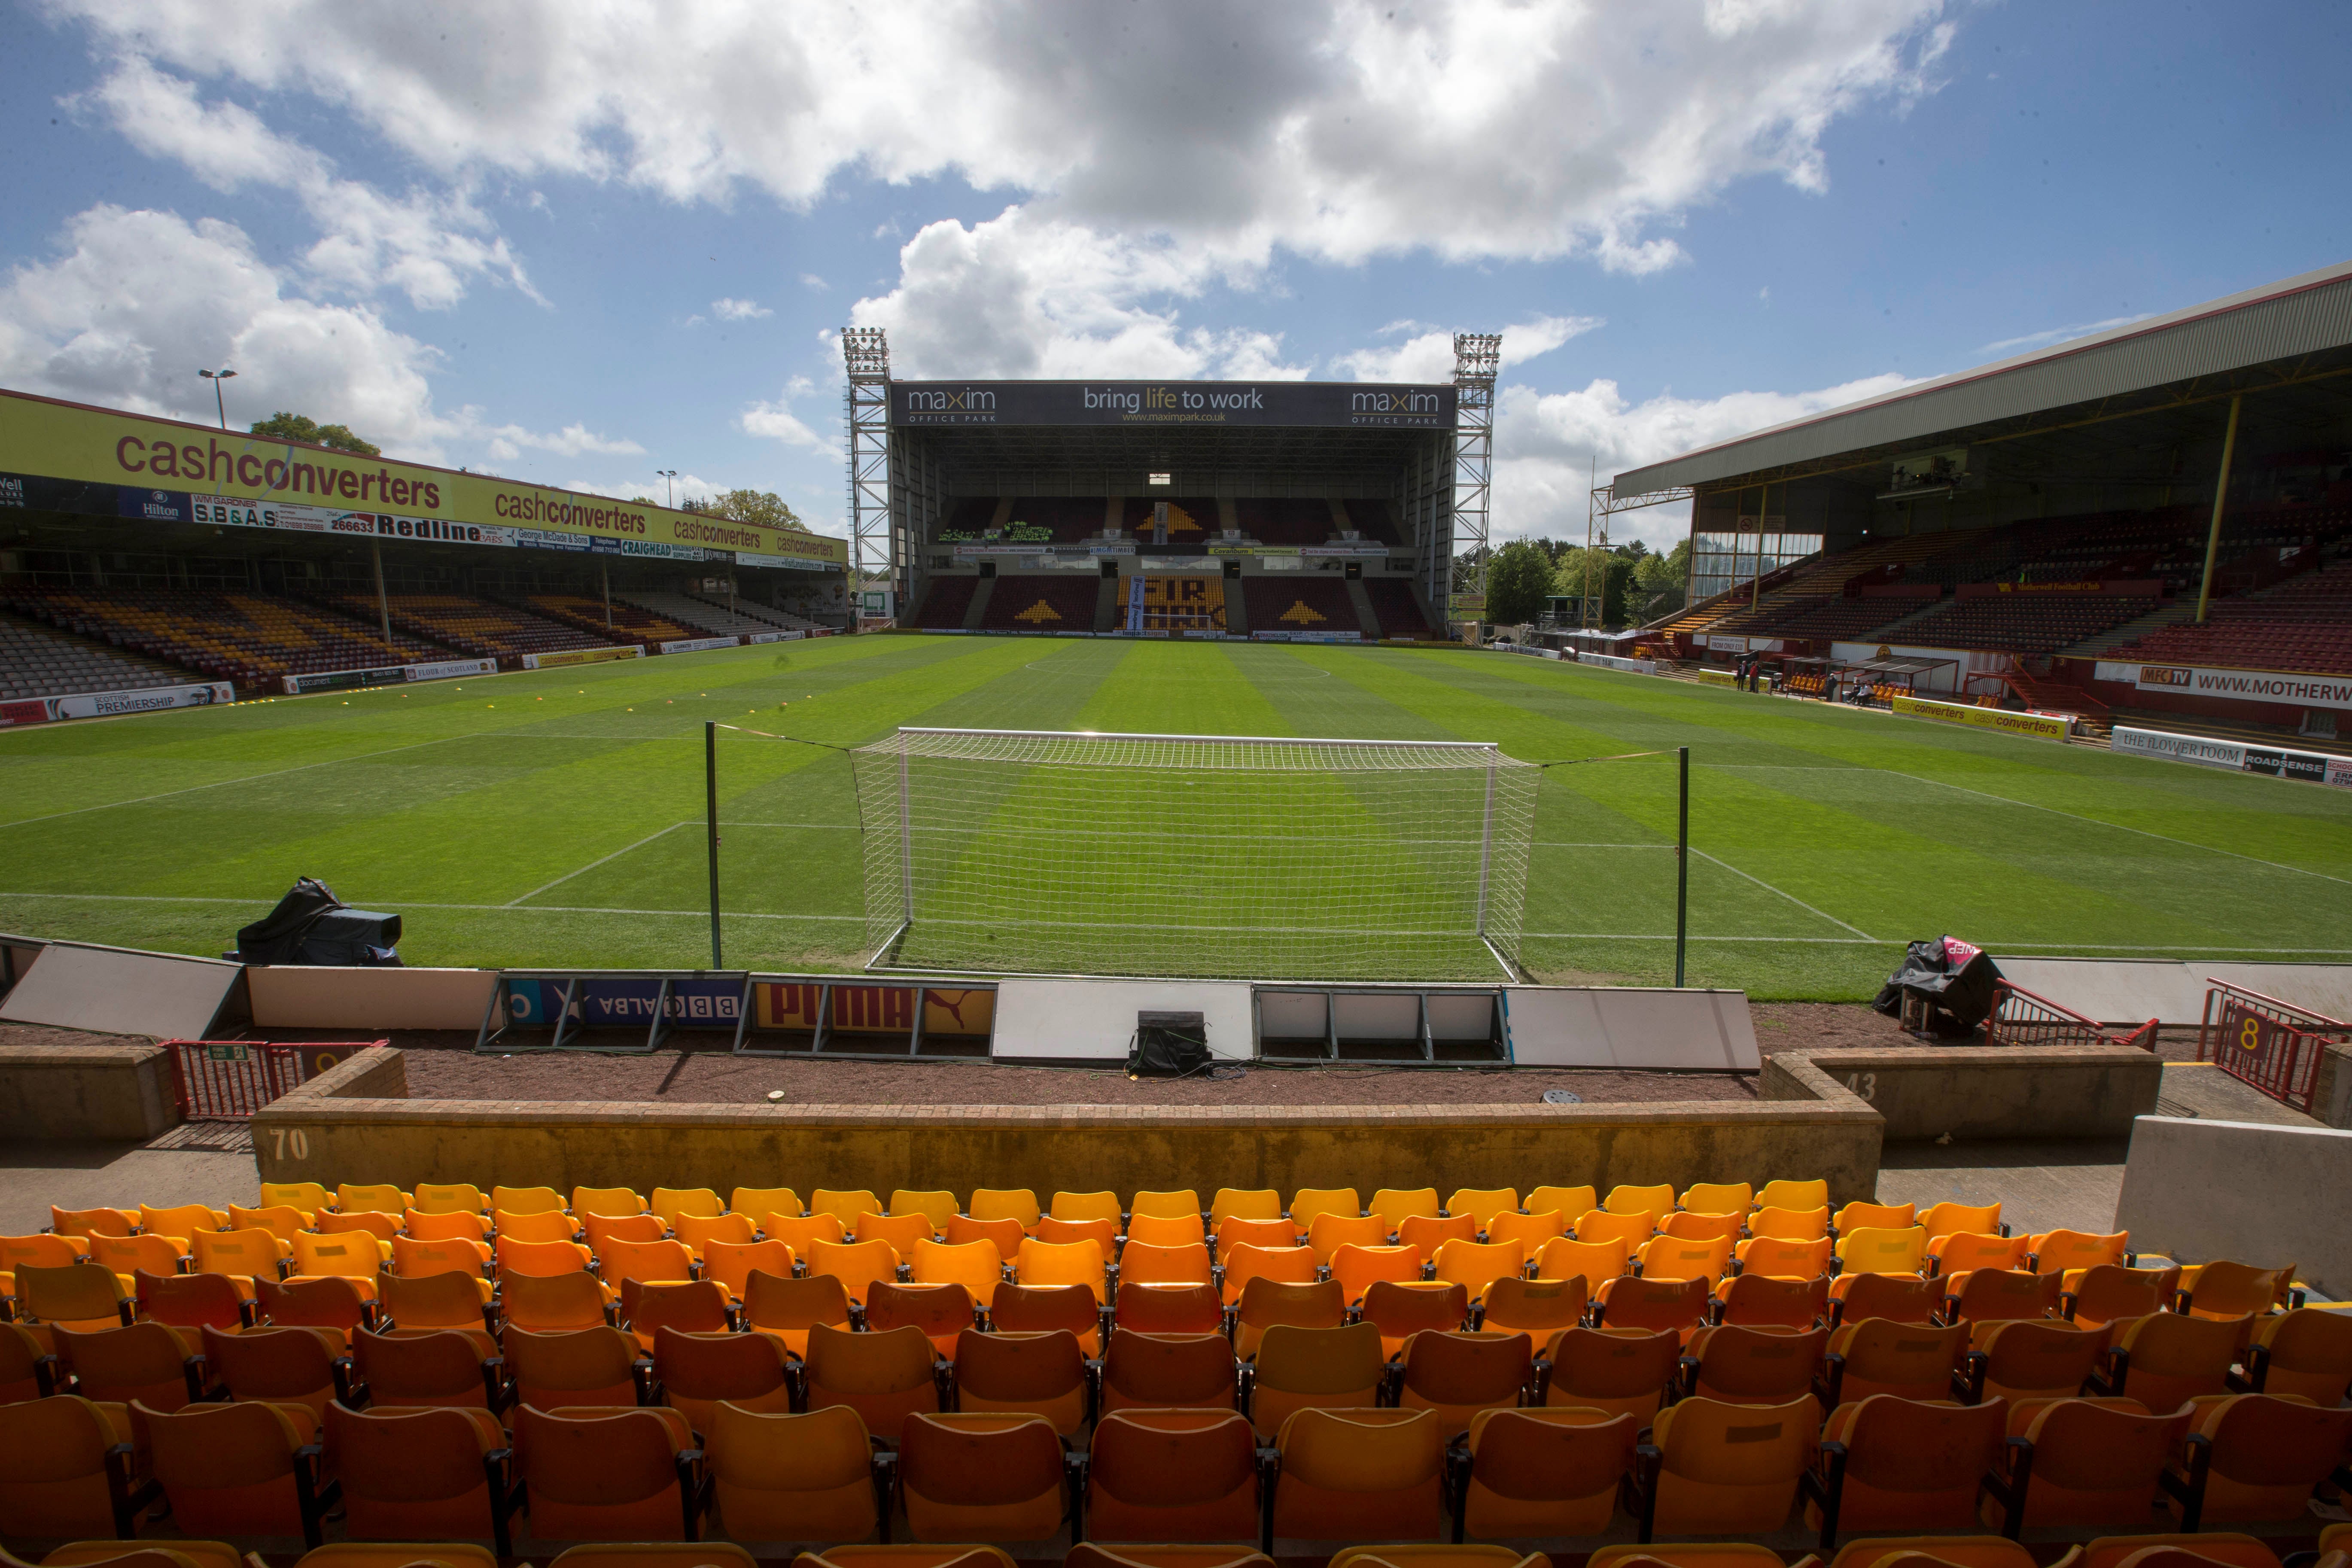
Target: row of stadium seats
(39,661)
(1060,603)
(2029,625)
(483,627)
(632,1370)
(1193,520)
(2303,624)
(624,623)
(233,636)
(1043,604)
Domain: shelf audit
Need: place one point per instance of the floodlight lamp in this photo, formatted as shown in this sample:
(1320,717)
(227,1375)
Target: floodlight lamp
(1161,479)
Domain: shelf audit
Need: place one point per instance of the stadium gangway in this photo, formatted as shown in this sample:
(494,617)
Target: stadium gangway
(2018,1017)
(1405,1025)
(2275,1045)
(635,1012)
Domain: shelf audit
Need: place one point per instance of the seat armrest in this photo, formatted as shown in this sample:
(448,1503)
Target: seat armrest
(1641,1485)
(2009,1489)
(196,1371)
(1074,1473)
(1968,1384)
(641,1373)
(1824,1482)
(885,1485)
(1269,1477)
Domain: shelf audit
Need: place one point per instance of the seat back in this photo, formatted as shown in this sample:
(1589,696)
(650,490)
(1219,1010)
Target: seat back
(353,1256)
(1595,1261)
(1397,1205)
(901,1231)
(1043,1375)
(1654,1202)
(91,1223)
(790,1308)
(418,1258)
(1538,1307)
(1266,1301)
(588,1367)
(1350,1474)
(421,1225)
(1602,1226)
(1787,1195)
(551,1303)
(1719,1198)
(600,1229)
(1545,1472)
(2173,1357)
(941,1312)
(799,1232)
(187,1221)
(675,1203)
(1290,1265)
(1158,1475)
(2230,1290)
(1326,1233)
(417,1370)
(228,1469)
(689,1306)
(2309,1352)
(1088,1206)
(1729,1467)
(1529,1230)
(650,1261)
(1248,1230)
(2095,1461)
(1314,1368)
(595,1474)
(1166,1230)
(1041,1308)
(730,1264)
(1400,1311)
(1569,1201)
(1459,1374)
(1990,1294)
(1309,1201)
(89,1294)
(1759,1301)
(586,1201)
(1861,1214)
(1672,1257)
(143,1363)
(1950,1218)
(1016,1204)
(976,1266)
(1140,1263)
(1791,1225)
(281,1365)
(1871,1250)
(189,1300)
(696,1372)
(1427,1233)
(327,1301)
(886,1377)
(1683,1225)
(1168,1309)
(759,1201)
(968,1476)
(1357,1267)
(779,1477)
(1103,1233)
(53,1468)
(1910,1361)
(938,1206)
(251,1254)
(1629,1303)
(1190,1371)
(1616,1371)
(1066,1263)
(1238,1203)
(1477,1267)
(2026,1360)
(1904,1298)
(537,1226)
(526,1200)
(2056,1251)
(280,1220)
(1746,1365)
(697,1232)
(1175,1204)
(451,1197)
(1005,1235)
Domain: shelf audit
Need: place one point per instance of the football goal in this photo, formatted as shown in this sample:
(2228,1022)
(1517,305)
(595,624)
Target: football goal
(1259,857)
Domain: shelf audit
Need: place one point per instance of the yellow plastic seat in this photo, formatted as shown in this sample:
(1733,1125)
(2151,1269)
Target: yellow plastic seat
(1237,1203)
(671,1203)
(1481,1203)
(937,1206)
(844,1205)
(380,1197)
(1309,1201)
(759,1201)
(1718,1198)
(1654,1202)
(1299,1368)
(1017,1204)
(526,1200)
(453,1197)
(1168,1205)
(1569,1201)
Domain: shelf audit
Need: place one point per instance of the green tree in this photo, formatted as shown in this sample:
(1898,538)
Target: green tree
(284,426)
(1606,574)
(765,508)
(1659,582)
(1518,579)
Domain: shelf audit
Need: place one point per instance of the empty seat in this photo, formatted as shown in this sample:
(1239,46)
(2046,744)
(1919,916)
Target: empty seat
(1073,1263)
(800,1232)
(1529,1230)
(1167,1230)
(1300,1368)
(539,1225)
(977,1266)
(1903,1464)
(985,1478)
(1904,1298)
(1629,1303)
(1951,1219)
(1614,1371)
(403,1371)
(1355,1269)
(594,1367)
(690,1306)
(2255,1458)
(1539,1307)
(1993,1295)
(239,1470)
(440,1474)
(651,1262)
(329,1305)
(2062,1252)
(1672,1257)
(1881,1356)
(68,1468)
(606,1474)
(451,1197)
(697,1232)
(279,1366)
(1476,1267)
(1103,1233)
(541,1259)
(378,1197)
(1630,1230)
(190,1303)
(901,1231)
(884,1377)
(1042,1375)
(554,1304)
(759,1201)
(1740,1365)
(79,1295)
(2229,1290)
(91,1224)
(2096,1462)
(600,1228)
(1759,1301)
(1683,1225)
(1592,1262)
(1352,1474)
(1166,1474)
(1427,1233)
(730,1265)
(2108,1291)
(1284,1264)
(1169,1309)
(601,1200)
(420,1224)
(183,1221)
(1244,1230)
(937,1205)
(146,1362)
(1545,1472)
(674,1203)
(1016,1204)
(1961,1251)
(1790,1223)
(781,1477)
(1309,1201)
(27,1368)
(941,1312)
(1459,1374)
(694,1373)
(243,1256)
(2022,1360)
(2306,1352)
(520,1200)
(2166,1358)
(1726,1469)
(1718,1197)
(1402,1310)
(1142,1263)
(1787,1195)
(1043,1308)
(1328,1232)
(352,1256)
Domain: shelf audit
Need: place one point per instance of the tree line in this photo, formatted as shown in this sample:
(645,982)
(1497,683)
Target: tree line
(1633,583)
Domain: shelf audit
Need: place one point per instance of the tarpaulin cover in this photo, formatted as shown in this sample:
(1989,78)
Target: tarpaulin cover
(1955,977)
(311,925)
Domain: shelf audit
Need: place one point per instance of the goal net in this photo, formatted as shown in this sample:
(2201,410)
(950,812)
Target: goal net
(1050,852)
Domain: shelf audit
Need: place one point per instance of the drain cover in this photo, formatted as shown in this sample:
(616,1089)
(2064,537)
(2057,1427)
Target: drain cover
(1562,1097)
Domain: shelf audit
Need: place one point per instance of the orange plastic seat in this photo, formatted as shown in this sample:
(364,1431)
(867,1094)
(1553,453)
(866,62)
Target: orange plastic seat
(1078,1206)
(1041,1374)
(1945,1219)
(1531,1231)
(649,1262)
(1737,1365)
(91,1223)
(1793,1194)
(600,1228)
(1683,1225)
(937,1204)
(884,1377)
(241,1256)
(2096,1462)
(427,1369)
(1791,1225)
(697,1232)
(27,1369)
(277,1367)
(1043,1308)
(1357,1473)
(1881,1356)
(674,1203)
(355,1258)
(440,1474)
(976,1266)
(1244,1230)
(540,1224)
(788,1309)
(2024,1360)
(730,1264)
(856,1264)
(1168,1475)
(378,1225)
(1313,1369)
(69,1469)
(2167,1359)
(1357,1267)
(76,1295)
(1140,1263)
(1004,1234)
(525,1200)
(422,1225)
(1328,1232)
(1167,1230)
(1865,1215)
(901,1231)
(1194,1371)
(1735,1198)
(1400,1311)
(237,1470)
(1615,1371)
(1593,1261)
(281,1220)
(1601,1226)
(2230,1290)
(1265,1302)
(1906,1465)
(1569,1201)
(1459,1374)
(609,1474)
(1309,1201)
(1169,1205)
(688,1306)
(190,1302)
(1287,1264)
(1726,1469)
(592,1368)
(1868,1250)
(142,1362)
(450,1197)
(2306,1352)
(554,1303)
(1672,1258)
(1542,1473)
(1484,1204)
(941,1312)
(1904,1298)
(586,1201)
(759,1202)
(779,1477)
(1629,1303)
(1539,1307)
(1397,1204)
(1427,1233)
(183,1221)
(982,1478)
(1761,1300)
(379,1197)
(2107,1292)
(328,1305)
(1016,1204)
(1168,1309)
(417,1260)
(2261,1457)
(1991,1295)
(694,1373)
(2066,1251)
(1476,1267)
(1253,1203)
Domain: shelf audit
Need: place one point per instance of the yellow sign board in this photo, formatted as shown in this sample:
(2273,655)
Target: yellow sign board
(2038,724)
(166,471)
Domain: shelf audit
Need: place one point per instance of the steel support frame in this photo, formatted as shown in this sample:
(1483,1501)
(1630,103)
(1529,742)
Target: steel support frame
(1477,362)
(866,400)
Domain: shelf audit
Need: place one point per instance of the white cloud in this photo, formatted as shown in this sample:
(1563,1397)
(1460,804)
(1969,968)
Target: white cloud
(739,310)
(776,421)
(811,281)
(2059,335)
(1428,355)
(427,246)
(136,300)
(1551,448)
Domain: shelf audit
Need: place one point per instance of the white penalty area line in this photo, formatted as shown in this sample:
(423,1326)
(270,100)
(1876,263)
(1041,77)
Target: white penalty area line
(592,865)
(1790,897)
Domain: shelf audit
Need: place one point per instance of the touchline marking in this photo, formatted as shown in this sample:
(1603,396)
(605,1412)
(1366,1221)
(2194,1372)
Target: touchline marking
(414,904)
(2119,827)
(592,865)
(1790,897)
(248,778)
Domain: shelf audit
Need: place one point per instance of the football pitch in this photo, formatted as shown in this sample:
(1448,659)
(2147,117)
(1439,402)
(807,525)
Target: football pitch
(555,817)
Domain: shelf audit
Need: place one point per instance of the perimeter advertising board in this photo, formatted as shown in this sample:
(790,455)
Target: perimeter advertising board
(2233,756)
(112,704)
(65,457)
(2045,726)
(1342,404)
(2305,689)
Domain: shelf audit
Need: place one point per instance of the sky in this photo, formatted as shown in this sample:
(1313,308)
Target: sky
(577,243)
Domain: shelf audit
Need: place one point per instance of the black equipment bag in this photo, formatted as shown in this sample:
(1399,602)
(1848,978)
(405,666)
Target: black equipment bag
(311,925)
(1953,977)
(1169,1044)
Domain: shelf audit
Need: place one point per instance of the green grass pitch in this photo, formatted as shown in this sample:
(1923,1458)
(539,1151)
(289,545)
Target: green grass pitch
(554,818)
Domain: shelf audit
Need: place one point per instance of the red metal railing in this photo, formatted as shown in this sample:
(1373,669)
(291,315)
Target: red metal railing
(2021,1018)
(228,1080)
(2275,1045)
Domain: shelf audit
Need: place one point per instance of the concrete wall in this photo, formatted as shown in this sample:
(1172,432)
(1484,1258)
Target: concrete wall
(2199,1190)
(300,997)
(2058,1091)
(353,1125)
(101,1091)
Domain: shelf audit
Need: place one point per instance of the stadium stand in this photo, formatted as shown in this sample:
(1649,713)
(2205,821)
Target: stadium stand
(2302,624)
(40,661)
(945,601)
(628,623)
(1810,583)
(2031,626)
(1058,603)
(1915,1413)
(1373,519)
(1397,610)
(1294,519)
(479,627)
(1307,602)
(685,610)
(237,637)
(1064,520)
(775,619)
(1191,520)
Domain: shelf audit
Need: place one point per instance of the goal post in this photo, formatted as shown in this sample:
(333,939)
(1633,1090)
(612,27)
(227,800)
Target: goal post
(1197,856)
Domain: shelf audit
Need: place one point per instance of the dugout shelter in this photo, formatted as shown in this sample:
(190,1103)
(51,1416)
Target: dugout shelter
(1273,510)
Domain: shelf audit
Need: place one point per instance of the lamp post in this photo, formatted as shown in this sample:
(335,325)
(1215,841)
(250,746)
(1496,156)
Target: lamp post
(217,377)
(669,485)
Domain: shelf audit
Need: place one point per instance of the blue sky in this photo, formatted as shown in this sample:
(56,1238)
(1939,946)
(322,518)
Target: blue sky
(577,243)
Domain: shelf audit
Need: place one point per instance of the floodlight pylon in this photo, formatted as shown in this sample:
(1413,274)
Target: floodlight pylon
(866,356)
(1477,362)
